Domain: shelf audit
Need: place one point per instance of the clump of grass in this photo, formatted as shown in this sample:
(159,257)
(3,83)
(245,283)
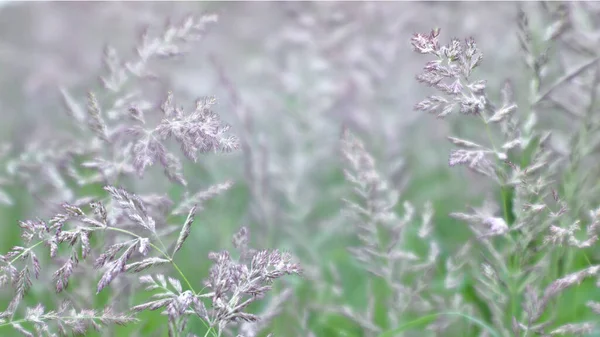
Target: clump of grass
(518,274)
(375,261)
(121,233)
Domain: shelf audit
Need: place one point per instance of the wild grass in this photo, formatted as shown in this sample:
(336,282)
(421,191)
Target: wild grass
(132,230)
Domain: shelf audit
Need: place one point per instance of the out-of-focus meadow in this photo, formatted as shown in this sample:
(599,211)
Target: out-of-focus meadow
(289,77)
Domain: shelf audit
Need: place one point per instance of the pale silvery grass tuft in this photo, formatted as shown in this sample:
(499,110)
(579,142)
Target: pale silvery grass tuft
(515,265)
(135,231)
(391,247)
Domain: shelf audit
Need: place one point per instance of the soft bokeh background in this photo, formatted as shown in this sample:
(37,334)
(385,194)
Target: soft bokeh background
(286,82)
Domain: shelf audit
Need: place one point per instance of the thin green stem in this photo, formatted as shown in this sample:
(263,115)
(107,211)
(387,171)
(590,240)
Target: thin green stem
(162,252)
(25,252)
(210,329)
(511,285)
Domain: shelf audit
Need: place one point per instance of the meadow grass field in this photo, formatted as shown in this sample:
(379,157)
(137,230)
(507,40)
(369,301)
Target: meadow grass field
(350,169)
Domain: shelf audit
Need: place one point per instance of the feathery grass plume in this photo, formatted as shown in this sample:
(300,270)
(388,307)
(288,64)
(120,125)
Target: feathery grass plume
(134,146)
(232,285)
(116,116)
(126,233)
(135,253)
(456,61)
(384,248)
(524,167)
(67,319)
